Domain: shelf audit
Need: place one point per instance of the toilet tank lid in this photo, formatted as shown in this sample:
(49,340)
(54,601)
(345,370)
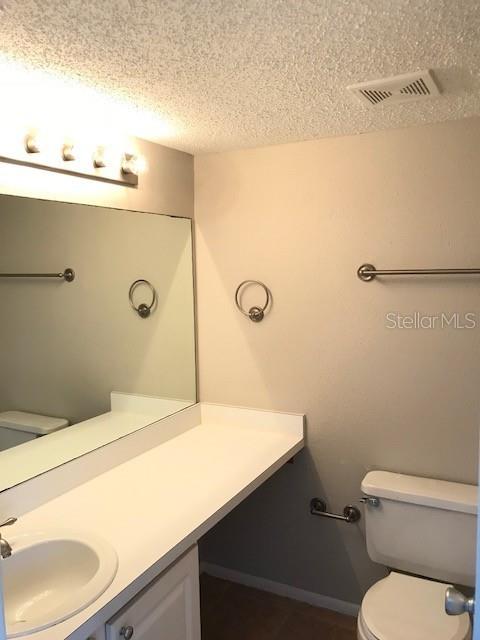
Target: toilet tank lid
(31,422)
(440,494)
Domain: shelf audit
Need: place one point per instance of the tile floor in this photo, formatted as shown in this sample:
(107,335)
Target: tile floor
(234,612)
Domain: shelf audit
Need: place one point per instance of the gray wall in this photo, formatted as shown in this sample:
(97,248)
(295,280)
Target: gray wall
(66,346)
(303,217)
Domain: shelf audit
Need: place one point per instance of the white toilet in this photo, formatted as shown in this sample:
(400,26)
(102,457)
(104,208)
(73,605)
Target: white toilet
(423,527)
(17,427)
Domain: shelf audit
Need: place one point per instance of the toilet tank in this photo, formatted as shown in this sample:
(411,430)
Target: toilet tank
(422,526)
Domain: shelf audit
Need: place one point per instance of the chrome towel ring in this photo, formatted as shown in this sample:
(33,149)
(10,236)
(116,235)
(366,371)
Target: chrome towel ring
(256,314)
(143,310)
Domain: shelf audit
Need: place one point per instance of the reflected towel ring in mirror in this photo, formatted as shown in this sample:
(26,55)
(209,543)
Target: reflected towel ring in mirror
(143,310)
(256,314)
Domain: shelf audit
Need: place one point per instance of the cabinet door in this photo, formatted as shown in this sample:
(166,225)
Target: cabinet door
(98,635)
(168,609)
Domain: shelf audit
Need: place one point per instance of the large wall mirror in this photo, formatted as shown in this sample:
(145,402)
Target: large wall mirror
(66,346)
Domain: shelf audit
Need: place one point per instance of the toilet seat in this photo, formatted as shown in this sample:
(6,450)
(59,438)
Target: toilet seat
(363,633)
(402,607)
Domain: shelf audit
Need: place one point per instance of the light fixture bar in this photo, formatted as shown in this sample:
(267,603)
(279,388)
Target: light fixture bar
(67,162)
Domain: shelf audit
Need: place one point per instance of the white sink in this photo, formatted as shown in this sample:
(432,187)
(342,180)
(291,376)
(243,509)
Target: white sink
(52,576)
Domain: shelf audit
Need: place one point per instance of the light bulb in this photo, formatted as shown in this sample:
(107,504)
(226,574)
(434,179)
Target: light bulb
(68,153)
(99,159)
(31,144)
(129,164)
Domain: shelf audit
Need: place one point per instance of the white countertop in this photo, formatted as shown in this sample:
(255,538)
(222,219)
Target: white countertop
(156,505)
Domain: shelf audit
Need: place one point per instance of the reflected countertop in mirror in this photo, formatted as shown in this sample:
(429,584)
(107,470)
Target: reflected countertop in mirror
(66,346)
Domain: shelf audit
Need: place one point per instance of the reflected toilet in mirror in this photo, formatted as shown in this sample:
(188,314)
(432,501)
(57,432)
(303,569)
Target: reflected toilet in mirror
(17,427)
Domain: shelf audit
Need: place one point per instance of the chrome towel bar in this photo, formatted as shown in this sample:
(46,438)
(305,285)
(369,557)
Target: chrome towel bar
(68,275)
(368,272)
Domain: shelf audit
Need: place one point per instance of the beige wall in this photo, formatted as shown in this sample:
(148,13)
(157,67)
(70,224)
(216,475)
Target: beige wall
(303,217)
(166,185)
(66,346)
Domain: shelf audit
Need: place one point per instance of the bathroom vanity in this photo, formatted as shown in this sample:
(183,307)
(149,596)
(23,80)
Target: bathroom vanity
(112,498)
(151,509)
(110,508)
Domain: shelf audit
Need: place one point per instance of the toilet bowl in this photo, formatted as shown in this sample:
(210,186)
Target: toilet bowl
(410,524)
(17,427)
(402,607)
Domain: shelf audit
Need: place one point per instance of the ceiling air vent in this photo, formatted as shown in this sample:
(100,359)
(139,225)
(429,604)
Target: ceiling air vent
(409,86)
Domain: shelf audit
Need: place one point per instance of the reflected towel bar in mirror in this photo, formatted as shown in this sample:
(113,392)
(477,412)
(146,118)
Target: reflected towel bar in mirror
(68,275)
(368,272)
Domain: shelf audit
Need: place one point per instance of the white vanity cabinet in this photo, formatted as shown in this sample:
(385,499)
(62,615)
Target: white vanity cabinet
(168,609)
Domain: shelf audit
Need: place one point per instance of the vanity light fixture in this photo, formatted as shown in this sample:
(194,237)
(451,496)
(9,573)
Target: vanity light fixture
(37,153)
(68,153)
(31,144)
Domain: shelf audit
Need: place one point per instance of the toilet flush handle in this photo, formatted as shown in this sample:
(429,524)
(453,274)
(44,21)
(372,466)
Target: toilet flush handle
(372,501)
(456,603)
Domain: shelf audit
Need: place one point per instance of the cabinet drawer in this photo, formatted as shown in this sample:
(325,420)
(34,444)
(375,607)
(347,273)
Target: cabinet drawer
(168,609)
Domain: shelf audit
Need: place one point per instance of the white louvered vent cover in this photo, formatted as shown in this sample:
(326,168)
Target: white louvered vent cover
(409,86)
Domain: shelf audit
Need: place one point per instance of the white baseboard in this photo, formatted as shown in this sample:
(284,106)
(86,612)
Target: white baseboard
(280,589)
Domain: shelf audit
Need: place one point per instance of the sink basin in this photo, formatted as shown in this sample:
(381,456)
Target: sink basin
(52,576)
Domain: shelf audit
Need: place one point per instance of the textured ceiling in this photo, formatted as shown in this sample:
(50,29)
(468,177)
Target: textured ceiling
(221,74)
